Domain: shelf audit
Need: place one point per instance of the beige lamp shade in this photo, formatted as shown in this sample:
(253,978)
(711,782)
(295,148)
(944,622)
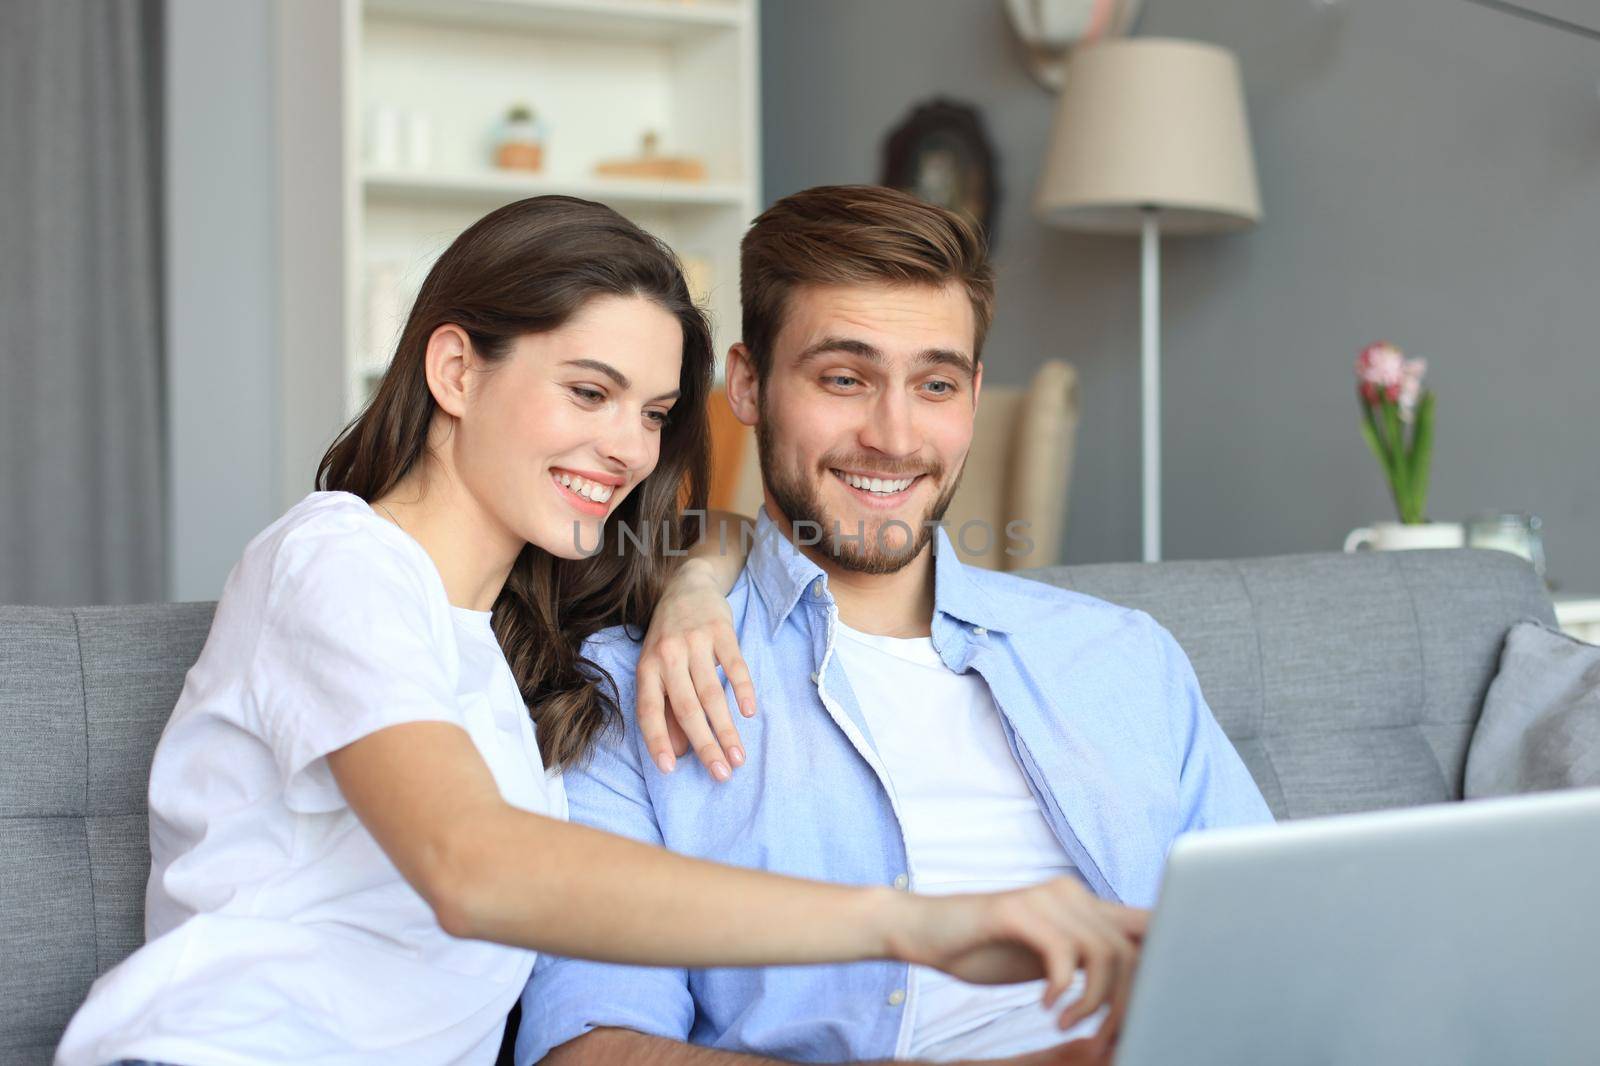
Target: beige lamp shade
(1146,122)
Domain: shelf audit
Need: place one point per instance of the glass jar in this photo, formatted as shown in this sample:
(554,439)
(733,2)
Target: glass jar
(1519,534)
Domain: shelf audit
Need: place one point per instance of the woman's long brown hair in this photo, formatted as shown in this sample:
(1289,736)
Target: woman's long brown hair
(527,268)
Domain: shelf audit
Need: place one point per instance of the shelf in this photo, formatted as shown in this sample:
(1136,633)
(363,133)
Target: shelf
(491,188)
(635,20)
(1574,608)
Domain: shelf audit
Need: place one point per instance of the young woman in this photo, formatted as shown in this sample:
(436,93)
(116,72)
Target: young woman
(357,830)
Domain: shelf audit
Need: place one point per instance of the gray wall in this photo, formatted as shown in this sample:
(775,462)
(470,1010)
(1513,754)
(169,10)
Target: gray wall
(222,268)
(255,269)
(1430,172)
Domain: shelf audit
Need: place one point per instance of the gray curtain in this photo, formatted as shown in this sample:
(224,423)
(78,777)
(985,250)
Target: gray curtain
(81,490)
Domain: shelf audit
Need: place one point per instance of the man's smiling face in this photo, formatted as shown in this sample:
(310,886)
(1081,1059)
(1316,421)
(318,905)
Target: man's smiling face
(866,415)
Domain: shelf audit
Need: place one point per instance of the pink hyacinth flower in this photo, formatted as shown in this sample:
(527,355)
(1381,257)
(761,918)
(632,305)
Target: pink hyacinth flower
(1385,373)
(1381,366)
(1411,386)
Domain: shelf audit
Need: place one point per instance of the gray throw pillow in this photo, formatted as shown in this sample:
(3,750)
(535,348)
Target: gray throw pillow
(1541,719)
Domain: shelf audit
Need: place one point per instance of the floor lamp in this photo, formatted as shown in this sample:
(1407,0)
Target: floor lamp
(1150,137)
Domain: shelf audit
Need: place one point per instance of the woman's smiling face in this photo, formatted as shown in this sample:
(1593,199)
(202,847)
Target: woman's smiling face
(554,436)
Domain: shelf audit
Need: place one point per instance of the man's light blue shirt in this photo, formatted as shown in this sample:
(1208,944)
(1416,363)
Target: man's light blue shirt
(1099,705)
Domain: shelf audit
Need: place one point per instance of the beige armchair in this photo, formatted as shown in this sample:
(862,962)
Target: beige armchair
(1018,471)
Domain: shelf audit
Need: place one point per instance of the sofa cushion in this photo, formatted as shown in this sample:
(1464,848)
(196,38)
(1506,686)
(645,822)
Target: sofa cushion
(1541,720)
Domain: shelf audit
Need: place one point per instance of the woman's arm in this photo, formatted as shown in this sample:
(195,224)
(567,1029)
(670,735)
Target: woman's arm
(691,632)
(493,872)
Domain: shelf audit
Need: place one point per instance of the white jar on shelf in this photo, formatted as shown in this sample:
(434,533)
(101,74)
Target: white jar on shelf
(417,140)
(384,136)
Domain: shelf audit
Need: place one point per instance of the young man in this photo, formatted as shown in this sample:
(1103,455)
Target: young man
(927,725)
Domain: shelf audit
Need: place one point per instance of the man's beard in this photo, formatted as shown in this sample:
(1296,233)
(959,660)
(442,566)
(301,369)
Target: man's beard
(861,550)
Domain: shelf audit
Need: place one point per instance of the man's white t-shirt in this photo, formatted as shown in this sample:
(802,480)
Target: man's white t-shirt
(971,824)
(277,930)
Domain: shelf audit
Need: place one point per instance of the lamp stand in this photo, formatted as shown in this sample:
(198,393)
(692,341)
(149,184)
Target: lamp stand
(1150,378)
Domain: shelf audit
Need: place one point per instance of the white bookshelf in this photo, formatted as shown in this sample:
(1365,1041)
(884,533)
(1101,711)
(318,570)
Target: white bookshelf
(599,73)
(477,189)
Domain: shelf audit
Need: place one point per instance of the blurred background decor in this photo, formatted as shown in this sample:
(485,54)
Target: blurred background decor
(1519,534)
(941,154)
(601,71)
(519,143)
(1397,423)
(651,163)
(1150,137)
(206,265)
(398,138)
(1050,29)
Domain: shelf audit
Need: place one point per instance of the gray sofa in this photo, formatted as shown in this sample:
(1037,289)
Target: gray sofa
(1348,682)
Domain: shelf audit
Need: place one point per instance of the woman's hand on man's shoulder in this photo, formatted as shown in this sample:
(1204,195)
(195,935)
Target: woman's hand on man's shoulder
(680,701)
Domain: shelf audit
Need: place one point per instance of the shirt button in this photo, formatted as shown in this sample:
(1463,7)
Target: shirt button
(813,677)
(816,588)
(901,882)
(896,997)
(979,631)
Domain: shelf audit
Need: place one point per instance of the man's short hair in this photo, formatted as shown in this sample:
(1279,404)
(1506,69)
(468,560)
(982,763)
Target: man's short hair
(852,235)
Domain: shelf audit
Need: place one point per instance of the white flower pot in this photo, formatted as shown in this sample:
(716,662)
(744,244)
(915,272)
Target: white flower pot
(1399,536)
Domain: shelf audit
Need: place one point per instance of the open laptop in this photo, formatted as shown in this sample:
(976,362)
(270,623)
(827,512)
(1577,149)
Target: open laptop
(1458,934)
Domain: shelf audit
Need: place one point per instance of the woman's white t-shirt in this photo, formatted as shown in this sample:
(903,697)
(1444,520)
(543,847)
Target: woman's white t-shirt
(277,930)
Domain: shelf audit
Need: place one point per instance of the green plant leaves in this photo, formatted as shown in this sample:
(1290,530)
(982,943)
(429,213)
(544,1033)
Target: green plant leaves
(1406,465)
